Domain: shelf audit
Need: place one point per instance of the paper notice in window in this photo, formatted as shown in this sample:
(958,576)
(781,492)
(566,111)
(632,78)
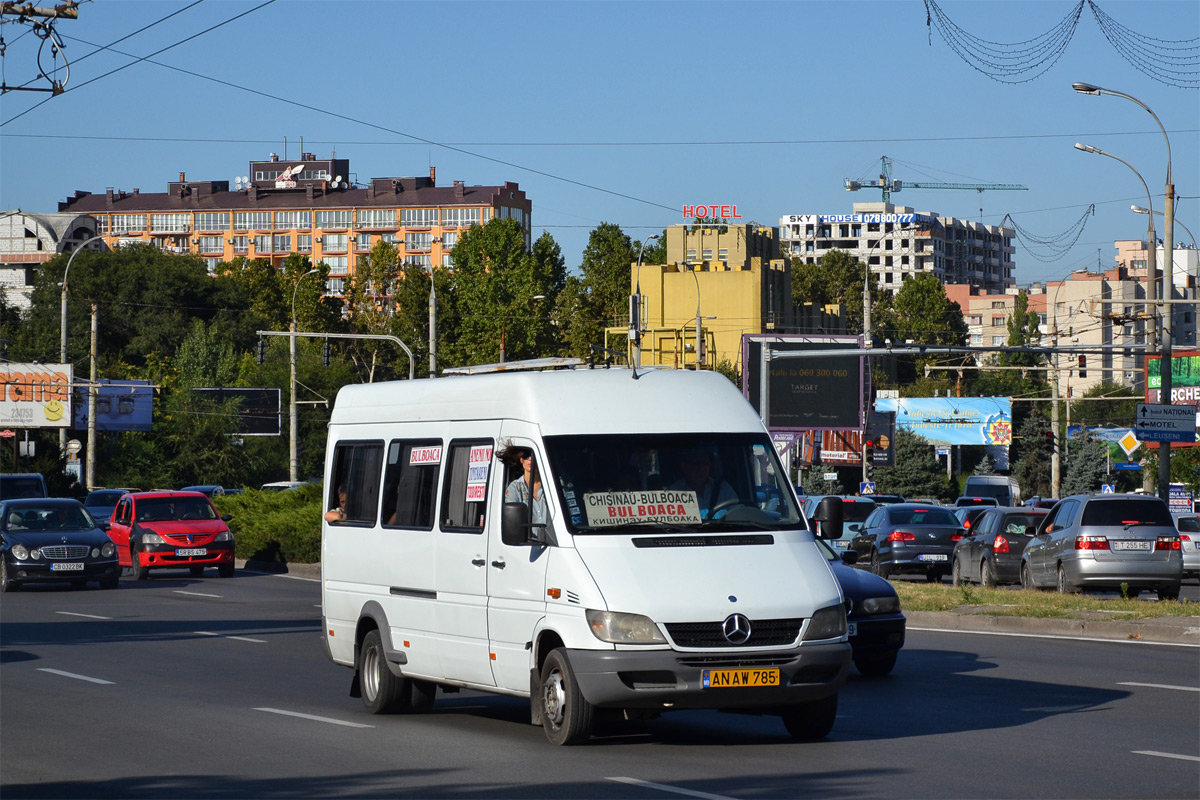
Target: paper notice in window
(477,473)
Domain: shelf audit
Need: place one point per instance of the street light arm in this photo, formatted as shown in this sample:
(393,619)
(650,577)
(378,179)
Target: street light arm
(1087,88)
(1087,148)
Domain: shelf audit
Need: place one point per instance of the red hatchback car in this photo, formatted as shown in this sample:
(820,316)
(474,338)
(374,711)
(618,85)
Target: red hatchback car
(171,529)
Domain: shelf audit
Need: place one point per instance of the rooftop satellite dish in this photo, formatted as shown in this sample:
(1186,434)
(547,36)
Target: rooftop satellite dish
(246,179)
(337,181)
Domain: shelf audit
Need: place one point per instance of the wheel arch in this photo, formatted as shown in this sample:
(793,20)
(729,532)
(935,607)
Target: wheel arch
(374,618)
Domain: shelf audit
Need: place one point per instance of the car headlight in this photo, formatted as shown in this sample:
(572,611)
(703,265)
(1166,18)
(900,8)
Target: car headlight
(880,605)
(828,623)
(35,554)
(108,550)
(151,538)
(95,552)
(19,552)
(224,536)
(618,628)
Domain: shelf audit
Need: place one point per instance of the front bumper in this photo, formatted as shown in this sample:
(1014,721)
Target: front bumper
(167,555)
(876,636)
(94,569)
(659,679)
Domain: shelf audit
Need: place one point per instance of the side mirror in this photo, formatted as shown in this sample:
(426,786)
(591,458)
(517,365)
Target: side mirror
(1030,530)
(829,514)
(104,525)
(517,530)
(849,557)
(226,517)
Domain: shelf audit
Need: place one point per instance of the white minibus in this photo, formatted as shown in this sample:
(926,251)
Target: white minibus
(589,539)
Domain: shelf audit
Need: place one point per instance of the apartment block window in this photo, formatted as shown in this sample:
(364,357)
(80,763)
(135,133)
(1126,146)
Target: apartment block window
(252,221)
(103,224)
(210,264)
(362,242)
(337,265)
(304,243)
(334,242)
(975,319)
(391,238)
(461,217)
(999,341)
(418,241)
(210,221)
(449,240)
(997,304)
(293,220)
(281,243)
(977,339)
(170,223)
(241,245)
(128,223)
(447,260)
(691,256)
(262,244)
(211,245)
(377,218)
(335,286)
(707,255)
(418,217)
(333,220)
(723,254)
(423,261)
(997,322)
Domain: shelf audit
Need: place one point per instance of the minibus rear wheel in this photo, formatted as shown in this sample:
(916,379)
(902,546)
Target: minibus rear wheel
(566,714)
(381,690)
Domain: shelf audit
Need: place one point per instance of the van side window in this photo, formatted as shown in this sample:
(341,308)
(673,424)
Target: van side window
(410,483)
(464,495)
(356,470)
(123,512)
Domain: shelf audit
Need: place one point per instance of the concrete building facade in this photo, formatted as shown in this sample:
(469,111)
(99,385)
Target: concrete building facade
(29,240)
(897,242)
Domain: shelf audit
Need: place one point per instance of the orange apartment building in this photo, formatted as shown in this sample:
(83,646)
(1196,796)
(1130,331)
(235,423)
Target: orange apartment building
(306,205)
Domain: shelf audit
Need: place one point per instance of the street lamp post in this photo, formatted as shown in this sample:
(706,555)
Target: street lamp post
(293,424)
(635,307)
(432,317)
(1139,210)
(62,350)
(1164,448)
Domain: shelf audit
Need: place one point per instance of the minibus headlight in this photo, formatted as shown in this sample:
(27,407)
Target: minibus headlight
(617,628)
(828,623)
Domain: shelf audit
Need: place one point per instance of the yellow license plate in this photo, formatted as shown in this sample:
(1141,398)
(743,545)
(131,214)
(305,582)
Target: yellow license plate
(738,678)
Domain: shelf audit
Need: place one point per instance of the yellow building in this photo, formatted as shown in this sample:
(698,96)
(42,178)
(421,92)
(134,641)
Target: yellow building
(727,280)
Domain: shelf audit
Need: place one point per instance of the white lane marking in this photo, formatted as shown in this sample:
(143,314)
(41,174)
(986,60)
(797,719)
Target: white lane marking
(1166,755)
(1098,640)
(226,636)
(196,594)
(1160,686)
(662,787)
(314,718)
(74,614)
(298,578)
(73,675)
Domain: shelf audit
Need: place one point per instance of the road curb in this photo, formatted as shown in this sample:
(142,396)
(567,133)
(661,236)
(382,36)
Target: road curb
(1163,630)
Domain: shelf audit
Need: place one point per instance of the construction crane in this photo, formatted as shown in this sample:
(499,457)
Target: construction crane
(888,185)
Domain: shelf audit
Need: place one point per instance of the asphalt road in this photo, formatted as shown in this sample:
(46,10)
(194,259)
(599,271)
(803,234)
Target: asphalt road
(181,687)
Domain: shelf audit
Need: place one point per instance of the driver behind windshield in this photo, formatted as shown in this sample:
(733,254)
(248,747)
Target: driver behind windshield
(696,466)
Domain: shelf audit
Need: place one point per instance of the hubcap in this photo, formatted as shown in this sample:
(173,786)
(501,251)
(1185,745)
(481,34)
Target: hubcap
(553,698)
(370,674)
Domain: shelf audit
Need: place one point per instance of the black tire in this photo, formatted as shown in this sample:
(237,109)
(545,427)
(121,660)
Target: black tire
(876,666)
(1064,583)
(1026,577)
(135,560)
(1169,592)
(7,584)
(382,692)
(876,567)
(956,574)
(225,570)
(421,696)
(813,721)
(986,576)
(196,571)
(567,716)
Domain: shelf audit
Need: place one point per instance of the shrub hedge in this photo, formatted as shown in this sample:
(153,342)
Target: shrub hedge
(276,527)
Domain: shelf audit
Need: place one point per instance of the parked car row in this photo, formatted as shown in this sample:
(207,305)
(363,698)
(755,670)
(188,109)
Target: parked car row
(61,539)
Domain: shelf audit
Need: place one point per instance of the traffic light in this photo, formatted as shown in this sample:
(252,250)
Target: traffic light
(325,358)
(1083,366)
(262,350)
(1051,442)
(869,459)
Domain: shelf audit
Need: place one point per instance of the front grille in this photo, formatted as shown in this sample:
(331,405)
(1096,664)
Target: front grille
(763,633)
(731,660)
(61,551)
(181,538)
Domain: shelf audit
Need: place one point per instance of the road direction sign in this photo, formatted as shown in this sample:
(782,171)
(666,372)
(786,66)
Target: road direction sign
(1131,467)
(1159,423)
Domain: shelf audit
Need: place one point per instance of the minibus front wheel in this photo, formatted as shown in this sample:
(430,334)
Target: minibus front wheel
(566,714)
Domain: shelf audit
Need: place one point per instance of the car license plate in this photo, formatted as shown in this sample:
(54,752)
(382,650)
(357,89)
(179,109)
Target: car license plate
(933,557)
(852,629)
(194,551)
(1131,545)
(66,566)
(738,678)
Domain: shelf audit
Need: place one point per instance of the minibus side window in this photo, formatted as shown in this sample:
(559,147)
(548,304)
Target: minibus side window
(356,470)
(410,482)
(464,495)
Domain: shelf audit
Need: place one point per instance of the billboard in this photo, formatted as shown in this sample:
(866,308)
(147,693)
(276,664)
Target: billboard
(953,420)
(258,409)
(1185,386)
(120,406)
(823,391)
(35,395)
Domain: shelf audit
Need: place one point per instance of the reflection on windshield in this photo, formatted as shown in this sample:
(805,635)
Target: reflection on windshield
(161,509)
(686,482)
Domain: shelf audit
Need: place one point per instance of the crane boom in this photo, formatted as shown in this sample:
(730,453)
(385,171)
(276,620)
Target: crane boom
(888,185)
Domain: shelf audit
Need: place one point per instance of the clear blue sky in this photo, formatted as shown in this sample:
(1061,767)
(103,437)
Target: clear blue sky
(622,112)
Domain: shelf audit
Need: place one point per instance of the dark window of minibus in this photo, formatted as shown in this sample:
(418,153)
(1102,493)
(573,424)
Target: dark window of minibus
(468,464)
(410,483)
(356,468)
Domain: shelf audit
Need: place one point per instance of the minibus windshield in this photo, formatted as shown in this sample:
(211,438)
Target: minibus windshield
(610,483)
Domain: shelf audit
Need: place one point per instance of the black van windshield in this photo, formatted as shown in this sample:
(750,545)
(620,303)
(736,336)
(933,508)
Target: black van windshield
(671,482)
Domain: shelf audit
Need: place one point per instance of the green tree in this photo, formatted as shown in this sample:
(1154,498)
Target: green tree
(600,297)
(917,472)
(922,313)
(1022,332)
(836,278)
(1030,456)
(1086,466)
(370,306)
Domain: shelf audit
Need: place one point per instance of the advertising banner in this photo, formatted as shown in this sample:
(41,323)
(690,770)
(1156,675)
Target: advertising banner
(35,395)
(822,391)
(954,420)
(120,406)
(1185,386)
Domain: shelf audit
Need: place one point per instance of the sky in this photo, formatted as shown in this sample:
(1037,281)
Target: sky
(624,112)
